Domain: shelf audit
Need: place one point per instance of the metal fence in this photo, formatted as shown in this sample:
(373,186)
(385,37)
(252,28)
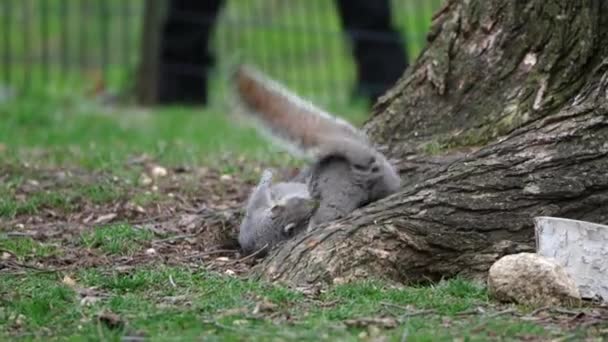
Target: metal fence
(93,46)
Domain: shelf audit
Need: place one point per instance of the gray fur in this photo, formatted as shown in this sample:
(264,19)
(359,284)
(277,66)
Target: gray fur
(347,172)
(274,213)
(347,177)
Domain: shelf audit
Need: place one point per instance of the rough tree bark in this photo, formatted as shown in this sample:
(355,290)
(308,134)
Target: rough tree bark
(147,75)
(503,117)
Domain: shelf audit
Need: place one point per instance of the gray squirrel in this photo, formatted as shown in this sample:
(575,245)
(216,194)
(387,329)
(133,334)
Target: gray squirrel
(346,171)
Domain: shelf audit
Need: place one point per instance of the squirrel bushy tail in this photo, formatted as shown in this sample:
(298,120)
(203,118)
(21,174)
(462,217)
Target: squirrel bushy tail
(300,126)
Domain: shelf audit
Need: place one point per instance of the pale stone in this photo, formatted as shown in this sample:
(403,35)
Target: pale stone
(581,248)
(531,279)
(159,171)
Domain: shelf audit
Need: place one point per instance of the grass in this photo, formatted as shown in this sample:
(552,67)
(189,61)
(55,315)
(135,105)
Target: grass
(185,301)
(161,302)
(58,130)
(26,247)
(66,198)
(95,138)
(116,239)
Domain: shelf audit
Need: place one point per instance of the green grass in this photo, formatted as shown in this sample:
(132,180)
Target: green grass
(26,247)
(167,302)
(56,129)
(65,199)
(120,239)
(94,138)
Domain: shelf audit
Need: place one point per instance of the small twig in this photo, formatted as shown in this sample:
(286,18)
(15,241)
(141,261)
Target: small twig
(15,264)
(150,219)
(566,312)
(418,313)
(217,251)
(19,234)
(171,281)
(395,306)
(408,313)
(494,315)
(539,310)
(252,255)
(174,238)
(503,312)
(475,311)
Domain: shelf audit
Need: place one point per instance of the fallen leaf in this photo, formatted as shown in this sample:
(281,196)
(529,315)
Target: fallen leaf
(111,320)
(88,218)
(68,281)
(105,218)
(264,307)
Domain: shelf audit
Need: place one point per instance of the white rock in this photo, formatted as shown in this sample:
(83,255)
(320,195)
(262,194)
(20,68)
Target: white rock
(144,180)
(531,279)
(159,171)
(151,251)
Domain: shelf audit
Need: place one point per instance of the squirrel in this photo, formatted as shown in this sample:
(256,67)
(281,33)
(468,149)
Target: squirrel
(274,213)
(346,171)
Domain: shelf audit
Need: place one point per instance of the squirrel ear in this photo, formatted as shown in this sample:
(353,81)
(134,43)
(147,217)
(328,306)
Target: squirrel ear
(276,209)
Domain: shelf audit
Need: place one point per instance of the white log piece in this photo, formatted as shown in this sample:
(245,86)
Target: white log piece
(581,248)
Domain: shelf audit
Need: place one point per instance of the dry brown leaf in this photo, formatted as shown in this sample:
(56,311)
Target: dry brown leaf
(111,320)
(67,280)
(105,218)
(264,307)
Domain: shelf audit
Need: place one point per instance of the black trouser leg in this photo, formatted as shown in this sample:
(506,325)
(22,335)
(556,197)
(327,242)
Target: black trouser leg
(378,48)
(185,58)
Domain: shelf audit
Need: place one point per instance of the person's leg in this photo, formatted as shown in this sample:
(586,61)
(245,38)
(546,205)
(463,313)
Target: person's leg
(185,58)
(379,50)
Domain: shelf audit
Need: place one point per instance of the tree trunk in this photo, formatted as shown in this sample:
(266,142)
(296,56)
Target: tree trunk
(503,117)
(147,75)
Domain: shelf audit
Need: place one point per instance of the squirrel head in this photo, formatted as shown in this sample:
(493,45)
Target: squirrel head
(293,213)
